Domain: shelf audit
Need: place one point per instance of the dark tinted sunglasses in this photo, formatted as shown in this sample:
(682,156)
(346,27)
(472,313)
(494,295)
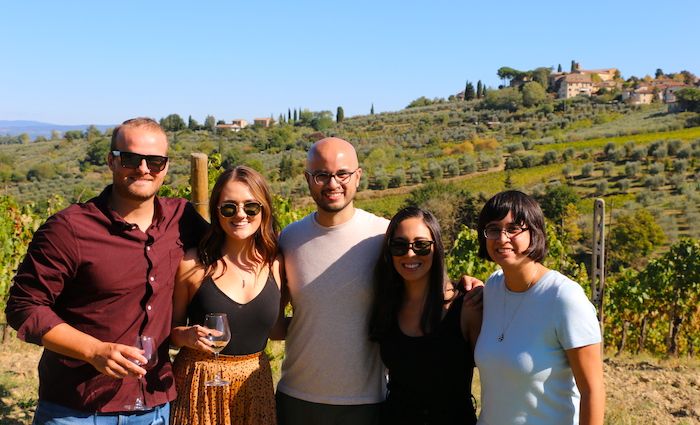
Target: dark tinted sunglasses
(133,160)
(398,248)
(230,209)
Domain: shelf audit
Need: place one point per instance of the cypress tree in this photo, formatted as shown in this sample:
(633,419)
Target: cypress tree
(295,115)
(479,86)
(371,111)
(559,68)
(340,115)
(469,91)
(289,114)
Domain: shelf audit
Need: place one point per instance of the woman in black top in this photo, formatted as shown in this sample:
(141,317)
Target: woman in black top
(425,331)
(235,270)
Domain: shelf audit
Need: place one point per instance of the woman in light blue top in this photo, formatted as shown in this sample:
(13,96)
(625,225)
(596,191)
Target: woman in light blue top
(539,352)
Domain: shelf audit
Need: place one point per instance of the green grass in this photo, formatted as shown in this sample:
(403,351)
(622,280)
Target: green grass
(686,134)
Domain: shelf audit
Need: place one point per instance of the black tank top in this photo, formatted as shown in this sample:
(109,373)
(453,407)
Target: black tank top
(430,376)
(250,323)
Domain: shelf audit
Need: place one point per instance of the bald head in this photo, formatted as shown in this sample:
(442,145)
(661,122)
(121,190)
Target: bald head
(331,149)
(333,176)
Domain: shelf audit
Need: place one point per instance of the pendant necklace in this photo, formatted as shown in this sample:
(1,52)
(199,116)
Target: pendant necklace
(239,271)
(505,327)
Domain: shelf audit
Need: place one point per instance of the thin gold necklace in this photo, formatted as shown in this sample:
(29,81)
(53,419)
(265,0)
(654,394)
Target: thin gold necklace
(502,336)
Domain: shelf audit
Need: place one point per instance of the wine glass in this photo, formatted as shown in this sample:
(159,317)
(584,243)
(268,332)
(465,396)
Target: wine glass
(219,335)
(150,352)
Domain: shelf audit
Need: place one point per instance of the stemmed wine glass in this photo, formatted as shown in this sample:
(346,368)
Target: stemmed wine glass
(150,352)
(219,335)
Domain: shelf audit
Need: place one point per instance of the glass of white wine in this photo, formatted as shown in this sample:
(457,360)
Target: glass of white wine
(219,335)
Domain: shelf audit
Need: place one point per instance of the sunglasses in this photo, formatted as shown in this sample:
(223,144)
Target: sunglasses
(154,163)
(230,209)
(397,248)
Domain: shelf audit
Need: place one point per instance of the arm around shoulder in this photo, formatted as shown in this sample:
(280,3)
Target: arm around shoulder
(279,330)
(187,280)
(472,315)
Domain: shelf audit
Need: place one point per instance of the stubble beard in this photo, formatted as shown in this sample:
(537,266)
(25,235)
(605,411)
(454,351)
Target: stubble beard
(127,192)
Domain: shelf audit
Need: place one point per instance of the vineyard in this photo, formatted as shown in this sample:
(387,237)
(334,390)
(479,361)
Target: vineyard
(449,158)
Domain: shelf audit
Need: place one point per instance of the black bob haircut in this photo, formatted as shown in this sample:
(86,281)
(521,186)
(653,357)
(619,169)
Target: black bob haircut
(525,211)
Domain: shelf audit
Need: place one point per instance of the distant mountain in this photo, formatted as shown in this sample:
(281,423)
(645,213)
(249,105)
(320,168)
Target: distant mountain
(36,128)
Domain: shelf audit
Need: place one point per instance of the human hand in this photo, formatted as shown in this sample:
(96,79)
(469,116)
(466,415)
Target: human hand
(467,283)
(117,360)
(196,337)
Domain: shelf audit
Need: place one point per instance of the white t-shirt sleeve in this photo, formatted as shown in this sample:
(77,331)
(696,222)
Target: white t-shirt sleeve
(577,324)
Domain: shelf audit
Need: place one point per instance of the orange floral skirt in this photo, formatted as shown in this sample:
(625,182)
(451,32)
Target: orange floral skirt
(248,400)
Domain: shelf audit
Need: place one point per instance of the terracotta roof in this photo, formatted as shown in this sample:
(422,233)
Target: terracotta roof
(598,71)
(577,78)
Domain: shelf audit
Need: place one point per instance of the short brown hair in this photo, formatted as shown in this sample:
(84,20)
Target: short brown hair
(525,211)
(149,123)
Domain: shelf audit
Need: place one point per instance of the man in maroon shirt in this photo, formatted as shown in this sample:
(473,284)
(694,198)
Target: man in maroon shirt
(96,276)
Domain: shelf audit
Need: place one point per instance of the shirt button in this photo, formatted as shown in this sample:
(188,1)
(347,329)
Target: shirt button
(152,278)
(148,248)
(148,308)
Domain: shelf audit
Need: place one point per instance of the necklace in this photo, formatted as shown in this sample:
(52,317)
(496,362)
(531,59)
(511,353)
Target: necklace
(505,327)
(243,272)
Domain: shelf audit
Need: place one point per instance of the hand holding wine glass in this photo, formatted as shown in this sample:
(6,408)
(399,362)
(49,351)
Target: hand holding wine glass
(218,335)
(150,352)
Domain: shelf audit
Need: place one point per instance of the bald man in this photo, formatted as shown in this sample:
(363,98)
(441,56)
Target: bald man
(332,374)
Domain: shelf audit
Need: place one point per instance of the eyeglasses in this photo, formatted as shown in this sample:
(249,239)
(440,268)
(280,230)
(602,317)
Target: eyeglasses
(397,247)
(511,231)
(154,163)
(323,178)
(230,209)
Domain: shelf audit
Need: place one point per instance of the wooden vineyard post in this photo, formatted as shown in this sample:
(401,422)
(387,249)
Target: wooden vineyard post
(199,181)
(598,262)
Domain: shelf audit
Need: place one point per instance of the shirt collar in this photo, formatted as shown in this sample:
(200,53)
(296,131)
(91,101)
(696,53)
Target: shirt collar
(102,203)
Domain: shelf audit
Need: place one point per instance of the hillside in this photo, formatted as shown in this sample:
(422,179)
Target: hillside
(585,144)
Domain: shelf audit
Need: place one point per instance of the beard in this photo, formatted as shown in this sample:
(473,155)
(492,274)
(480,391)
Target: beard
(135,193)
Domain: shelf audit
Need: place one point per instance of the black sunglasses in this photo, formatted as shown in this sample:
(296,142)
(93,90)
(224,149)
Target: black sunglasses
(230,209)
(398,248)
(133,160)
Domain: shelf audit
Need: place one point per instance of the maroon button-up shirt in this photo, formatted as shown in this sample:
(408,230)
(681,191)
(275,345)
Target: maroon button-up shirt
(89,268)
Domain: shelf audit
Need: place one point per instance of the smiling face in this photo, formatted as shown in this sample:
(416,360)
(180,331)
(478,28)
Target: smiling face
(509,252)
(138,184)
(333,155)
(241,226)
(412,267)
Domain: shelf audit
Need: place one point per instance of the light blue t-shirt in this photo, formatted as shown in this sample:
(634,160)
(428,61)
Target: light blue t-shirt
(526,377)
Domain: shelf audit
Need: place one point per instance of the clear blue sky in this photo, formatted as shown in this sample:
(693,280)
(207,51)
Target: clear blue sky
(100,62)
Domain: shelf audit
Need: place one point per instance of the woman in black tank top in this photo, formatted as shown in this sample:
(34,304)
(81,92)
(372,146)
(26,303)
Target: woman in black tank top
(235,270)
(426,338)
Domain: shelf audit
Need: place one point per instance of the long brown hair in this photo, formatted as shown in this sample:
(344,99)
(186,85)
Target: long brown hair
(265,238)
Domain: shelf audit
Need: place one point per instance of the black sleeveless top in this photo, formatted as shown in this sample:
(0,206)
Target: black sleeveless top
(430,376)
(250,323)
